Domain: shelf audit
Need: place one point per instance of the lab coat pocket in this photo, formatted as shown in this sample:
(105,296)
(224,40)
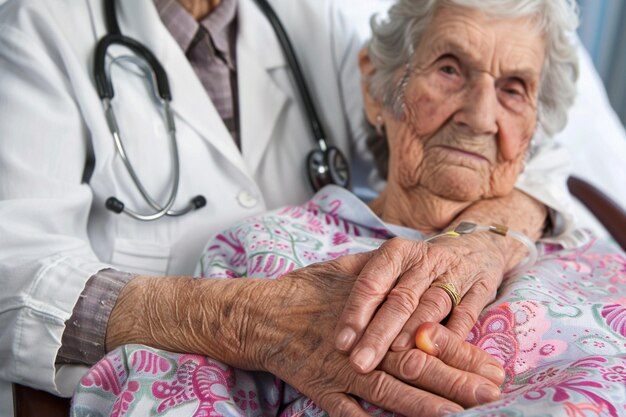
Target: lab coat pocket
(140,256)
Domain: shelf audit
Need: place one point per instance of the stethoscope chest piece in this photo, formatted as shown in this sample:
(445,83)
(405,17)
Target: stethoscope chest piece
(327,166)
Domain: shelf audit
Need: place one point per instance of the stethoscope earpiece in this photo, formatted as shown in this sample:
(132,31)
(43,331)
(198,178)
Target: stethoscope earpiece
(114,205)
(198,202)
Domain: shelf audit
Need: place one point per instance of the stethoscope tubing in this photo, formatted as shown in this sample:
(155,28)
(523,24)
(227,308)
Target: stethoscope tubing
(325,165)
(153,70)
(119,145)
(288,50)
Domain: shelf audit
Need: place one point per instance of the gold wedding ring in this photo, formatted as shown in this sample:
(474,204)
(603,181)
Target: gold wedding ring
(451,290)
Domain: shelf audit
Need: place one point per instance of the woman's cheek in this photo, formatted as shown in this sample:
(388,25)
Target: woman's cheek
(514,137)
(409,156)
(427,108)
(513,140)
(504,176)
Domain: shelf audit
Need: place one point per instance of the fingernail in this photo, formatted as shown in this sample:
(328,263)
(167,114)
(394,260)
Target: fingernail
(403,341)
(424,343)
(494,373)
(447,409)
(345,339)
(486,394)
(363,358)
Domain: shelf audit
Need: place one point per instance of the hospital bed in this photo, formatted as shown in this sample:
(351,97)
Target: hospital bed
(598,211)
(597,143)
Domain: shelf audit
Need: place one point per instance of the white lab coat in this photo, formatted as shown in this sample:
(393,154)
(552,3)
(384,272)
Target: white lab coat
(55,232)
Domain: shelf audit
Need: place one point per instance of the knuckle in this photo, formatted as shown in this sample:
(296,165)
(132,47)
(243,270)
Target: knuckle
(485,287)
(339,407)
(386,255)
(452,348)
(409,250)
(402,300)
(466,317)
(477,358)
(368,286)
(378,338)
(387,258)
(434,305)
(459,388)
(379,387)
(395,243)
(353,316)
(412,365)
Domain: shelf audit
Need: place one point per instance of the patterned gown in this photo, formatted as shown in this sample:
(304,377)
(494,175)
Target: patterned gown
(559,328)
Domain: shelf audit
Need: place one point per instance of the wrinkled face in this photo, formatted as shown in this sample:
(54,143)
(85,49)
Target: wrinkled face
(470,106)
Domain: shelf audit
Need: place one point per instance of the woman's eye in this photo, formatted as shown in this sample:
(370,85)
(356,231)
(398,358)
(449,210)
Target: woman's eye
(513,92)
(448,70)
(514,96)
(513,88)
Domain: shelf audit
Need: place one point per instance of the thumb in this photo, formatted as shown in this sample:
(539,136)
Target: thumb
(353,264)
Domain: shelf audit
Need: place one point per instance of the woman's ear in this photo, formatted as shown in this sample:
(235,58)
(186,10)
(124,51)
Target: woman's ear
(373,108)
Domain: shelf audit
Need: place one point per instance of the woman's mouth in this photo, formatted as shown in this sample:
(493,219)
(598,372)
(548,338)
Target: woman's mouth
(465,153)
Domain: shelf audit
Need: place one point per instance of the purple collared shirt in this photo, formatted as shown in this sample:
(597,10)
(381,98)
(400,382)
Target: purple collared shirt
(210,49)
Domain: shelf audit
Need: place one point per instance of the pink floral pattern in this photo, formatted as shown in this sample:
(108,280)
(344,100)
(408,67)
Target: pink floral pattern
(559,329)
(515,334)
(615,316)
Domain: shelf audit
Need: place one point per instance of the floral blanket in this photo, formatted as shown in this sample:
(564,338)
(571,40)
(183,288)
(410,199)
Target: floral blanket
(559,329)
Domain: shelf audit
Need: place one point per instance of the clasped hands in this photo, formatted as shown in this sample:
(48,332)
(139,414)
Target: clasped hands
(391,298)
(340,329)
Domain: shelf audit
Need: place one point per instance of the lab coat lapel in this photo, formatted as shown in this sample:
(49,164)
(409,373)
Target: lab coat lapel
(189,98)
(261,99)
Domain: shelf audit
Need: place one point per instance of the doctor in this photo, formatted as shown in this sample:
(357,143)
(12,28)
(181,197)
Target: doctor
(242,143)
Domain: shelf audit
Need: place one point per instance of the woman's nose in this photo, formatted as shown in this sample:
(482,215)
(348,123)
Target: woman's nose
(478,113)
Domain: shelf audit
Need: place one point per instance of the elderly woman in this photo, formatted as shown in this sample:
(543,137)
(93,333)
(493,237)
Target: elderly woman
(476,81)
(474,89)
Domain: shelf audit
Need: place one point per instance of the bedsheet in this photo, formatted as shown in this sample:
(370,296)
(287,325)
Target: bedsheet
(559,328)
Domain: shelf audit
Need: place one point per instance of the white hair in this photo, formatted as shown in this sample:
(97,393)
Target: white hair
(395,37)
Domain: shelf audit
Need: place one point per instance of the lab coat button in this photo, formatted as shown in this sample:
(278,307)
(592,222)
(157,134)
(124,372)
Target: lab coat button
(247,199)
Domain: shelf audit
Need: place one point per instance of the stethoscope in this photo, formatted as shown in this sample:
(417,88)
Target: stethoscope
(325,164)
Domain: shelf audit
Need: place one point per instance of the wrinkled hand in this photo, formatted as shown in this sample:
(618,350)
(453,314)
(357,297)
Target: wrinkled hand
(301,352)
(393,294)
